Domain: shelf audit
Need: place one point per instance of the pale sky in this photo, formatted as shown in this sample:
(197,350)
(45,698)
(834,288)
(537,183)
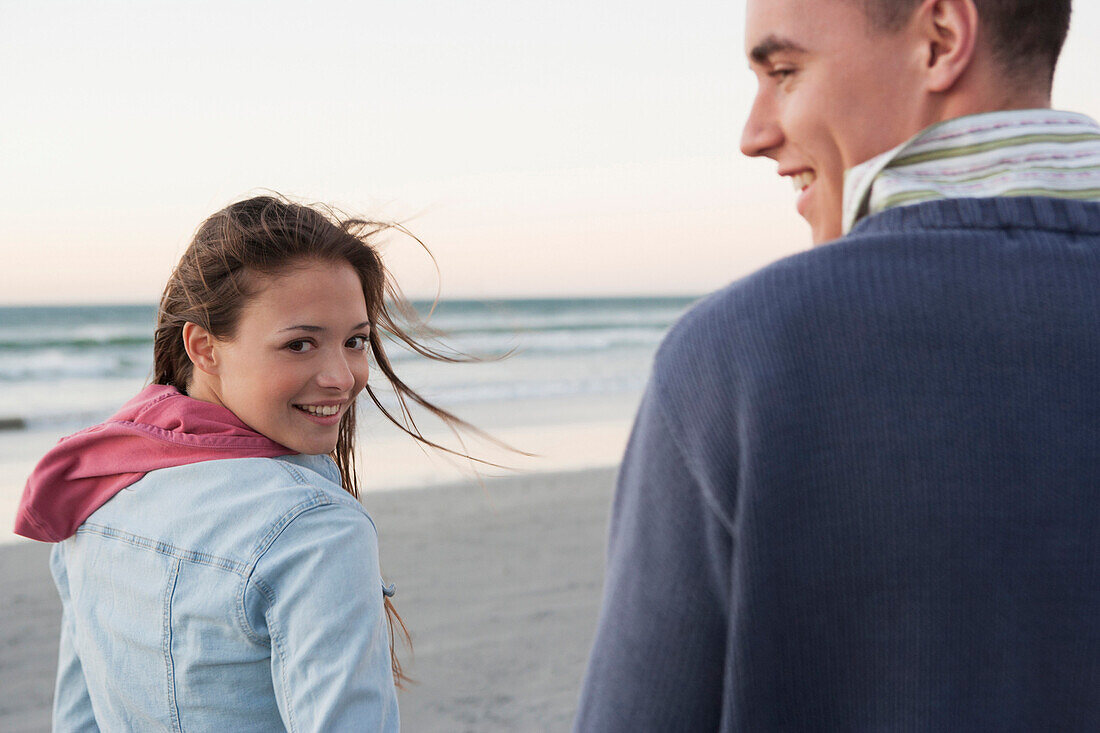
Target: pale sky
(564,148)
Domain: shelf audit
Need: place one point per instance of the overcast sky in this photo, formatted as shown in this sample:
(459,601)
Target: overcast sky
(538,148)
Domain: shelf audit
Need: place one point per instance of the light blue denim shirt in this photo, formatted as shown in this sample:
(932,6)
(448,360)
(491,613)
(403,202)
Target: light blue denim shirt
(231,595)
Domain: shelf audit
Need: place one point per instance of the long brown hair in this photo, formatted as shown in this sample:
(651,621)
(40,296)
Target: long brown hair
(266,235)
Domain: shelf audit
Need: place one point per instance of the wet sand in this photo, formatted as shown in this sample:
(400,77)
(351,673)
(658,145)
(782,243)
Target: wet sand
(500,587)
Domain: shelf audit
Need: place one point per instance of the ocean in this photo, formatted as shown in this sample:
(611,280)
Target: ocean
(565,394)
(65,367)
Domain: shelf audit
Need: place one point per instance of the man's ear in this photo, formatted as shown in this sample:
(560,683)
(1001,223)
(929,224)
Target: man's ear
(200,347)
(949,29)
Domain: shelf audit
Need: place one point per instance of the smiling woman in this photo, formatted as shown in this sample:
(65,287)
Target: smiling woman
(312,371)
(238,523)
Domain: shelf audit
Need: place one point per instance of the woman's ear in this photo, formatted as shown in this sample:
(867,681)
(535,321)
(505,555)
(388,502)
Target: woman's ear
(950,32)
(200,348)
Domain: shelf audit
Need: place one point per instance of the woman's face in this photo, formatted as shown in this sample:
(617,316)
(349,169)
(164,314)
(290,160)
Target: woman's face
(298,359)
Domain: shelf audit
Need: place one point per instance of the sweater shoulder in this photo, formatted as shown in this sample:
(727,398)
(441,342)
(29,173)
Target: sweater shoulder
(727,322)
(906,273)
(880,258)
(841,279)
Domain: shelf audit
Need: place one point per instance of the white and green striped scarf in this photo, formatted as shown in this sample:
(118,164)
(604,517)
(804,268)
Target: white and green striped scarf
(1033,152)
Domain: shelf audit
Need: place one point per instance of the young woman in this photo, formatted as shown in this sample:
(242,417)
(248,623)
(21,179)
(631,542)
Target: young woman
(214,566)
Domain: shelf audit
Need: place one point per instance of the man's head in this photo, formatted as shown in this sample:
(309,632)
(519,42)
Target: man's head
(841,81)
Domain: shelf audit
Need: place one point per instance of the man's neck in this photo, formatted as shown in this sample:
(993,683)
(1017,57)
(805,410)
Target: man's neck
(987,87)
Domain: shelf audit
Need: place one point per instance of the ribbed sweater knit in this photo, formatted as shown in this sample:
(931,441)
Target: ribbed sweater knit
(863,489)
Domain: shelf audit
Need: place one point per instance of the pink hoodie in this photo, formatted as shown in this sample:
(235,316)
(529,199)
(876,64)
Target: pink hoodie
(159,428)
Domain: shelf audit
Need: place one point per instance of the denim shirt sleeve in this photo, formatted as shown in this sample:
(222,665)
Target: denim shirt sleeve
(72,706)
(317,591)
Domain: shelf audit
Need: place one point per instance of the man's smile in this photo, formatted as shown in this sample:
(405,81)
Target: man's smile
(802,180)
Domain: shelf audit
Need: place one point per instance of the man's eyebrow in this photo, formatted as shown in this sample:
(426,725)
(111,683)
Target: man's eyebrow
(764,50)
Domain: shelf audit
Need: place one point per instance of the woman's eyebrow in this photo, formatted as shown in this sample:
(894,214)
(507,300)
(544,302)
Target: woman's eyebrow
(317,329)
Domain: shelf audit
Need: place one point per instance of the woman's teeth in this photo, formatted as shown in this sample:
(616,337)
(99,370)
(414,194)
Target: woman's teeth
(319,411)
(803,180)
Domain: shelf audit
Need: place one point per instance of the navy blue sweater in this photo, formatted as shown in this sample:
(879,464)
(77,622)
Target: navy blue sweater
(863,489)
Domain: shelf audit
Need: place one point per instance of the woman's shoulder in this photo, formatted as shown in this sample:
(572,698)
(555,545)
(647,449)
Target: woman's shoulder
(228,507)
(291,478)
(308,481)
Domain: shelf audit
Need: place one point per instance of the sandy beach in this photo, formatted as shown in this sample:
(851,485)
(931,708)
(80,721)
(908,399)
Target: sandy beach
(499,586)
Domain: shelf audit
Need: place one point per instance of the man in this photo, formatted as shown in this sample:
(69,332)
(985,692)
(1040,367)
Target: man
(863,488)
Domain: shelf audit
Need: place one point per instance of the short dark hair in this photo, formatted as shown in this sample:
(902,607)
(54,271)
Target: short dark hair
(1026,35)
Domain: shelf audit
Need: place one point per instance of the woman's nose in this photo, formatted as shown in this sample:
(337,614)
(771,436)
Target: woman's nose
(336,374)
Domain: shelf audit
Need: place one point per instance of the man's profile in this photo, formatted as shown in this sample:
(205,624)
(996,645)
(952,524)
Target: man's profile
(863,487)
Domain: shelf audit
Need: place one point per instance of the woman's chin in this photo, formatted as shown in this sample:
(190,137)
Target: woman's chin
(307,445)
(313,448)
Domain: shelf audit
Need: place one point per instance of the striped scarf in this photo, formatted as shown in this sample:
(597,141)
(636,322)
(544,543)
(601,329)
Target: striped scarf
(1034,152)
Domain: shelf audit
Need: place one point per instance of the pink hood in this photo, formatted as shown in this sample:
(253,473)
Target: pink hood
(159,428)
